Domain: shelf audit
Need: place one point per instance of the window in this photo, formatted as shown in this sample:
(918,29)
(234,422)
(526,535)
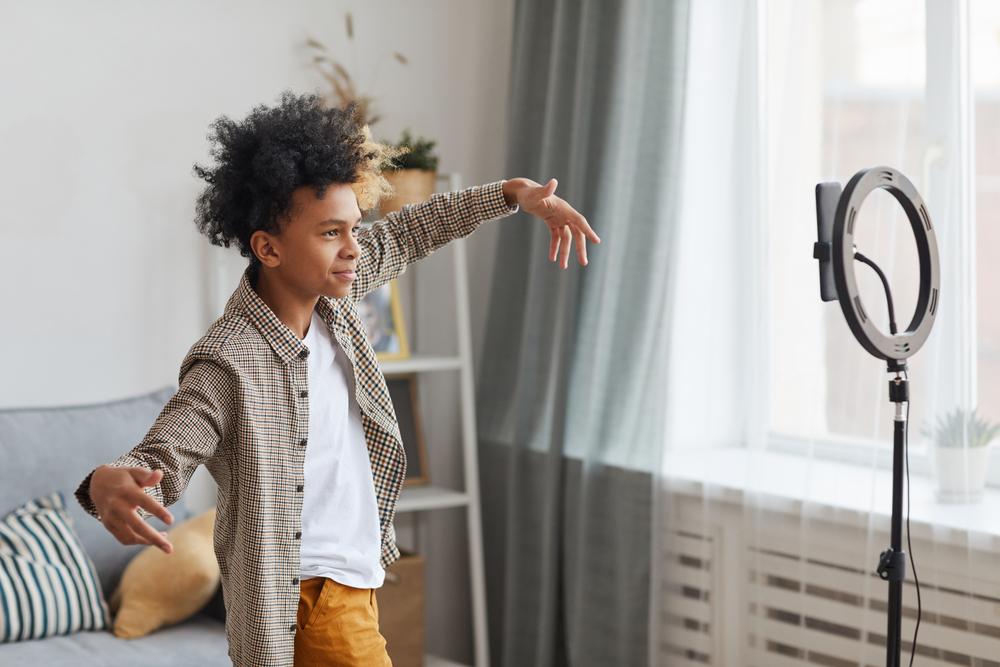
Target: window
(984,58)
(852,84)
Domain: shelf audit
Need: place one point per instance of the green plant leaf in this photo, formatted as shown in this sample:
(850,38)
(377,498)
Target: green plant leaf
(419,153)
(959,428)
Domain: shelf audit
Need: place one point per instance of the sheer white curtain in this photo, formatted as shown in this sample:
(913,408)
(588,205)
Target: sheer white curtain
(773,500)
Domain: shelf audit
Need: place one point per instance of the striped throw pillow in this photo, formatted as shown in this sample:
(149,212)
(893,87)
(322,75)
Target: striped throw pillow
(48,584)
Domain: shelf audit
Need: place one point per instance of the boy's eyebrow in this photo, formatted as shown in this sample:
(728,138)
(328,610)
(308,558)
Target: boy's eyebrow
(336,221)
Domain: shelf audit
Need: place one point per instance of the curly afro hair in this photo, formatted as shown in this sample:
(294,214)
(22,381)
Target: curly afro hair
(262,160)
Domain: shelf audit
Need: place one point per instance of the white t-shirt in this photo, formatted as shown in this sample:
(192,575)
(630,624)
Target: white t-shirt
(340,525)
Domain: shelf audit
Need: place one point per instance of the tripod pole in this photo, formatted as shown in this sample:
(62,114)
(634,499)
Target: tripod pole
(892,562)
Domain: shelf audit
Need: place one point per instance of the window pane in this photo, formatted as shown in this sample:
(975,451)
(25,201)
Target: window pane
(845,85)
(984,28)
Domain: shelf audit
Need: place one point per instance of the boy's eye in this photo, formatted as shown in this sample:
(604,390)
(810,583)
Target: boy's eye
(356,230)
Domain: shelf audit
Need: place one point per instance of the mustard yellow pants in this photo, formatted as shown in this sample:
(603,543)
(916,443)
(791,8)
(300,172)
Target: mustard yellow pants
(338,626)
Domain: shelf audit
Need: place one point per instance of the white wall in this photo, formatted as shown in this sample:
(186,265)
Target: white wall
(106,107)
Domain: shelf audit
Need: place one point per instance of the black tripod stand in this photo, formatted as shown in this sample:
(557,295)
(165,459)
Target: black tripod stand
(836,215)
(892,562)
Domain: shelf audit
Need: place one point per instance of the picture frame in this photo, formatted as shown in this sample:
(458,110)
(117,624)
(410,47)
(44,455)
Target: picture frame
(382,313)
(403,392)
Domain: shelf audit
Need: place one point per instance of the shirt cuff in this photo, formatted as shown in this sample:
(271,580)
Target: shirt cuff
(82,492)
(494,205)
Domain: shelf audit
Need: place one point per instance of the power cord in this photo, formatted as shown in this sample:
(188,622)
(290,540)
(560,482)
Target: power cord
(888,294)
(909,545)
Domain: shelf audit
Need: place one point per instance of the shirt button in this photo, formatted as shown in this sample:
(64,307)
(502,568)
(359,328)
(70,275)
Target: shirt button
(303,354)
(298,534)
(292,628)
(295,580)
(303,393)
(303,443)
(299,488)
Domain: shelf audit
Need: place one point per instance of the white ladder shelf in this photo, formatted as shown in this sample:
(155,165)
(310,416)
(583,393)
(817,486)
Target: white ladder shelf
(424,498)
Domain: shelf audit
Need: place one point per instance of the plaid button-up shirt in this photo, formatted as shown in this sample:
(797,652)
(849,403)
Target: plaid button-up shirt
(242,410)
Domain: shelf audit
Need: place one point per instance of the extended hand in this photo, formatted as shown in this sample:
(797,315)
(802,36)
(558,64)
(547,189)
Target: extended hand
(117,493)
(565,223)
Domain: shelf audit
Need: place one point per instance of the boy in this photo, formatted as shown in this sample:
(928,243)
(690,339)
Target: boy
(299,433)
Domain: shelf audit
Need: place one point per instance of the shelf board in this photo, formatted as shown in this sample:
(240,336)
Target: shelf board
(420,362)
(414,498)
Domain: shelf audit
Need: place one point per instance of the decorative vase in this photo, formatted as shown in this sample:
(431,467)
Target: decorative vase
(961,473)
(411,186)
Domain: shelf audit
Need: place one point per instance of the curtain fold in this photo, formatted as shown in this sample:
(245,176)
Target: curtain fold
(572,384)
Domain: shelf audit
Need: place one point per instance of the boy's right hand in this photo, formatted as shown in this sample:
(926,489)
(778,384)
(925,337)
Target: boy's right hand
(117,492)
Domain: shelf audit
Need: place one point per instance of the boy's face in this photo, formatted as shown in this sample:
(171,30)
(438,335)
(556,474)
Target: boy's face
(318,241)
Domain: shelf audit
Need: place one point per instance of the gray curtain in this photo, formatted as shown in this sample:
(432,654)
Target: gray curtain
(571,389)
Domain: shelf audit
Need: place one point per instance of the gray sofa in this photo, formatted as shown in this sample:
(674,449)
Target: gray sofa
(49,449)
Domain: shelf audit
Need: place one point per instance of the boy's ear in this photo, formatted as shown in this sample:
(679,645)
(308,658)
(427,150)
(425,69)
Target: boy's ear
(262,245)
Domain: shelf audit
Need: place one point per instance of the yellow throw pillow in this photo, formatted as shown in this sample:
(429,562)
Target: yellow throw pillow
(159,589)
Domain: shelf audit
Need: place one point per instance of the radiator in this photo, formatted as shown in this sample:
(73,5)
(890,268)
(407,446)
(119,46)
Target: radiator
(760,587)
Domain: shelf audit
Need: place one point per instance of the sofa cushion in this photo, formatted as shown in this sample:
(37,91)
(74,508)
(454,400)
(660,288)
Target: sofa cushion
(54,448)
(48,585)
(200,641)
(159,589)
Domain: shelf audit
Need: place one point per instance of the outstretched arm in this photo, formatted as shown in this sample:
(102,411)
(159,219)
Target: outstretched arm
(417,230)
(389,245)
(188,431)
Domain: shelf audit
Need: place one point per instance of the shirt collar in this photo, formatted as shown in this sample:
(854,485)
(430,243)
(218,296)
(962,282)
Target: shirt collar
(282,339)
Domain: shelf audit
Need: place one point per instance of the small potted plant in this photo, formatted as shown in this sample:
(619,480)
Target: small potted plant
(961,455)
(413,175)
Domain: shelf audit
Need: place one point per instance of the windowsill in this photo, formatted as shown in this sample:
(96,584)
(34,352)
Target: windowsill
(785,481)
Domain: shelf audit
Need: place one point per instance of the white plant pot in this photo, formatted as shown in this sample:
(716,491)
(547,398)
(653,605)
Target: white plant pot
(961,473)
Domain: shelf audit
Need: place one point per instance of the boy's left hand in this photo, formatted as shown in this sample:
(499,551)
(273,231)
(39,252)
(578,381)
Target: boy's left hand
(565,223)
